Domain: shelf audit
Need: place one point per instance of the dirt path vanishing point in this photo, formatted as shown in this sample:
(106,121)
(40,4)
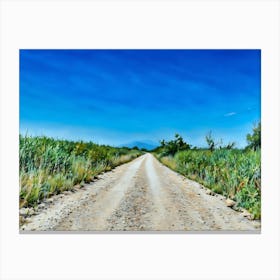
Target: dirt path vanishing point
(142,195)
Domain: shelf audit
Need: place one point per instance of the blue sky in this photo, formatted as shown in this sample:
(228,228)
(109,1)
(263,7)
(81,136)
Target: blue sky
(119,96)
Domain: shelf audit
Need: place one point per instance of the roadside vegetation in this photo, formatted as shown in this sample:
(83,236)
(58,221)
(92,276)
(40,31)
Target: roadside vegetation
(234,173)
(48,166)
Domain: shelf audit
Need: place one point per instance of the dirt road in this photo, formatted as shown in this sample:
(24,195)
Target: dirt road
(142,195)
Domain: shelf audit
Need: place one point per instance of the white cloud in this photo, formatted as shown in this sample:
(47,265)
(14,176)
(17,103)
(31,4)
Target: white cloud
(230,114)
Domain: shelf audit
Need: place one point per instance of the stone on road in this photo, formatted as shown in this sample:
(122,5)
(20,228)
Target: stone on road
(142,195)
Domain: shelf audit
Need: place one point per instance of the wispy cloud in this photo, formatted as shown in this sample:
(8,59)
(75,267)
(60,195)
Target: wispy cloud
(230,114)
(118,96)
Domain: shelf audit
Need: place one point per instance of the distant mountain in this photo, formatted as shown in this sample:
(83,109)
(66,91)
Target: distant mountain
(149,145)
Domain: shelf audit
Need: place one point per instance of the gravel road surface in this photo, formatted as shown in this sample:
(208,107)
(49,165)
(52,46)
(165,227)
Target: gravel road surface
(142,195)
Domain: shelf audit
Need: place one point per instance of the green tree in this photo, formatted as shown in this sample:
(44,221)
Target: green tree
(254,139)
(173,146)
(211,142)
(162,143)
(230,145)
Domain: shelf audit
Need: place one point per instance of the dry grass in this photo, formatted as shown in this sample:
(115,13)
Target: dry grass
(49,166)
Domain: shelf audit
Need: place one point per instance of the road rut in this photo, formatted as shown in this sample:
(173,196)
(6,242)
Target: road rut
(142,195)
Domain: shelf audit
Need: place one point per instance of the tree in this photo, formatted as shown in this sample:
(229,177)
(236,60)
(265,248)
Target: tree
(230,145)
(210,141)
(213,144)
(254,139)
(180,143)
(173,146)
(162,143)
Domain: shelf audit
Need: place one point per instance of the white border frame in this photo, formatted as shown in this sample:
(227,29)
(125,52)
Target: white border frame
(140,24)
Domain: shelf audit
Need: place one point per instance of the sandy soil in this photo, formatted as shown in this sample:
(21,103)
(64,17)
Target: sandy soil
(142,195)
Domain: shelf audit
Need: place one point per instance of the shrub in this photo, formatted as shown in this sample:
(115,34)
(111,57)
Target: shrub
(173,146)
(254,139)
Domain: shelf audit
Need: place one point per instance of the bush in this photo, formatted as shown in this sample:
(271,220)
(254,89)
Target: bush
(173,146)
(254,139)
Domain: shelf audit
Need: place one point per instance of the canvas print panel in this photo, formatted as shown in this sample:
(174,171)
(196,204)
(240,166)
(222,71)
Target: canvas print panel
(140,141)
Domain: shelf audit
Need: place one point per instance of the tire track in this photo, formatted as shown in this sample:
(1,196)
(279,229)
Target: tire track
(95,212)
(134,210)
(142,195)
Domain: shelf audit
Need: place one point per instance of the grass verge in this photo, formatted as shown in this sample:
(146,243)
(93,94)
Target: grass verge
(48,166)
(235,174)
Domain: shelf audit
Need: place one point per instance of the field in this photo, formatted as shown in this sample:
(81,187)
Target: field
(48,166)
(233,173)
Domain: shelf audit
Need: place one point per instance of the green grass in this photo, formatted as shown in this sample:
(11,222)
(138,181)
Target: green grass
(48,166)
(235,174)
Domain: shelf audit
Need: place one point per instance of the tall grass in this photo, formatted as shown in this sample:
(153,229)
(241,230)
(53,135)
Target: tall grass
(48,166)
(234,173)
